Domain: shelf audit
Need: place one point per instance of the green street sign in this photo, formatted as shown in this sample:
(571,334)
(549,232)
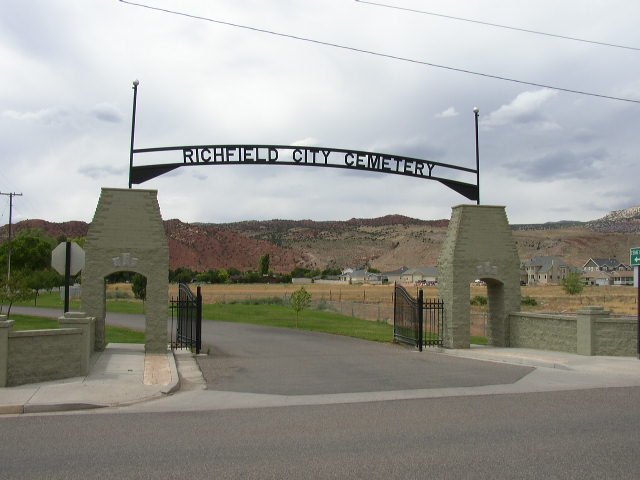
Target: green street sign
(635,257)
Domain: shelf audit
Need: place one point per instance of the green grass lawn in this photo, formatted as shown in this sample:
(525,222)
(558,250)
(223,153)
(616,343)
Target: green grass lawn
(283,316)
(53,300)
(113,334)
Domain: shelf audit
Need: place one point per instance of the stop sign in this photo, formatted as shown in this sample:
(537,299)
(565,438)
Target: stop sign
(59,256)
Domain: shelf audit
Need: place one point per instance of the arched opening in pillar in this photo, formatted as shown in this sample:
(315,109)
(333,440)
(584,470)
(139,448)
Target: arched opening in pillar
(495,311)
(126,291)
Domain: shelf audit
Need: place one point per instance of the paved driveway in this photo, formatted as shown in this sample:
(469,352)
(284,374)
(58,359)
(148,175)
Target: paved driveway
(257,359)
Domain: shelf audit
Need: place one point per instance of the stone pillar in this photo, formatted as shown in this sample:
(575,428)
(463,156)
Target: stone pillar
(479,246)
(87,325)
(127,234)
(586,333)
(5,327)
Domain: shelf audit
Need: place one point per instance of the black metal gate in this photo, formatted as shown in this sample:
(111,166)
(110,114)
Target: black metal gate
(186,332)
(433,322)
(416,321)
(407,317)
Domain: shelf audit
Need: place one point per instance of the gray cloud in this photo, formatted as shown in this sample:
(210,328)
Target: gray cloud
(525,109)
(96,172)
(47,116)
(107,113)
(559,165)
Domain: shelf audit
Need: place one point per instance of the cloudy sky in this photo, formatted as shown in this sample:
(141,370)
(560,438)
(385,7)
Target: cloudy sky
(66,98)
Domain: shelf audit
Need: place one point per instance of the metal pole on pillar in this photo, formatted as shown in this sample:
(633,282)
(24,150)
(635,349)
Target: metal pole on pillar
(476,112)
(67,275)
(638,305)
(133,127)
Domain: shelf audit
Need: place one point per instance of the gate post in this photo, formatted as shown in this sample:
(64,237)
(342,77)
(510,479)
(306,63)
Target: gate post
(198,320)
(420,310)
(479,246)
(127,234)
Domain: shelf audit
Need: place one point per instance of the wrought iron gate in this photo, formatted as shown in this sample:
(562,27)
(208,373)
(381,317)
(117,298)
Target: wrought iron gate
(433,322)
(187,313)
(416,321)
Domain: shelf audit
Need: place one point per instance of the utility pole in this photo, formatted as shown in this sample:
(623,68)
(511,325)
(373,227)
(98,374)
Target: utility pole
(10,195)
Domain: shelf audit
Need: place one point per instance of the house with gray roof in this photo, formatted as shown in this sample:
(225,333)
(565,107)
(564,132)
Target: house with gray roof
(604,265)
(427,275)
(395,275)
(543,270)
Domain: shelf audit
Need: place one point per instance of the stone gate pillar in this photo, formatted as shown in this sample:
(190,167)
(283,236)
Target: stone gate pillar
(127,234)
(479,246)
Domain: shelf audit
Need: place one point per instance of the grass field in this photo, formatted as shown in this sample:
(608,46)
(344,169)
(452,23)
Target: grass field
(622,300)
(313,320)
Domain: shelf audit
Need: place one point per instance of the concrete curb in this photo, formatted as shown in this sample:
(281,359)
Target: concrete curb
(59,407)
(174,386)
(513,360)
(11,409)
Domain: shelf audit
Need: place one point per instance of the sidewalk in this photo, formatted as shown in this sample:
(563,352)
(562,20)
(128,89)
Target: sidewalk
(596,365)
(123,375)
(120,375)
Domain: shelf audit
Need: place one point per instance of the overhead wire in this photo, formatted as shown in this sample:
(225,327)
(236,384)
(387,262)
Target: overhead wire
(378,54)
(497,25)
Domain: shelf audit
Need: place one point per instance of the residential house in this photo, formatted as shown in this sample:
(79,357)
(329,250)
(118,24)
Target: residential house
(351,275)
(425,275)
(545,270)
(395,275)
(604,265)
(622,277)
(597,277)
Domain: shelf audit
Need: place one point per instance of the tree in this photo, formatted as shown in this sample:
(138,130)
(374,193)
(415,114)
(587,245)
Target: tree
(223,275)
(139,286)
(182,275)
(40,280)
(13,290)
(264,264)
(300,299)
(572,283)
(27,253)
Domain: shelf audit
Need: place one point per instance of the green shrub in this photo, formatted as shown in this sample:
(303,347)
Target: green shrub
(479,300)
(529,301)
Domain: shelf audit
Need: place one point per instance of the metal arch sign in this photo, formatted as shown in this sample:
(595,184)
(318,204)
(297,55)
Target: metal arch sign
(200,155)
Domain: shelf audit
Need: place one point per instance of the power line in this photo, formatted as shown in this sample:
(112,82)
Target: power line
(451,17)
(378,54)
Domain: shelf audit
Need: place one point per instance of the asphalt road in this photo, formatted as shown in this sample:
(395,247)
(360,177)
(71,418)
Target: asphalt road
(589,434)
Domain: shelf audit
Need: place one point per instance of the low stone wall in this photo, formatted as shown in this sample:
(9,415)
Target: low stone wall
(43,355)
(32,356)
(592,331)
(616,337)
(543,331)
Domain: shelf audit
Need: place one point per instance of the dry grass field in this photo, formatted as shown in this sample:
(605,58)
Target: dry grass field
(620,300)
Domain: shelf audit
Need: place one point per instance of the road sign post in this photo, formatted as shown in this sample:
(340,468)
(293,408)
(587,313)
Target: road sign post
(67,259)
(635,262)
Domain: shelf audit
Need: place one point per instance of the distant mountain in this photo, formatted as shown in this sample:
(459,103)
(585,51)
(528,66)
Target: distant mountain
(385,243)
(618,221)
(548,225)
